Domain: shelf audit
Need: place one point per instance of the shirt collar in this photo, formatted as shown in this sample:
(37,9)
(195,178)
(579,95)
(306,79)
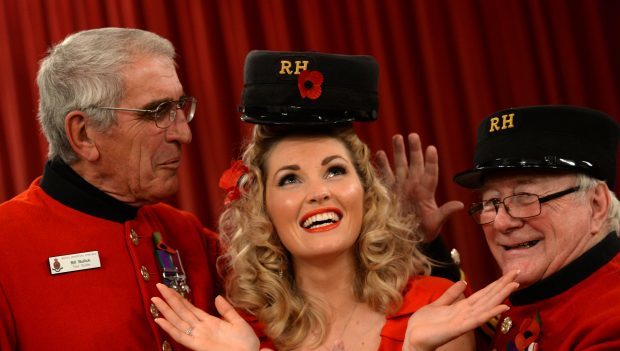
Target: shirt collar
(64,185)
(571,274)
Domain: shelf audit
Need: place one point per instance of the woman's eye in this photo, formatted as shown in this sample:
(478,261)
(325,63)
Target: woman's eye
(336,170)
(287,179)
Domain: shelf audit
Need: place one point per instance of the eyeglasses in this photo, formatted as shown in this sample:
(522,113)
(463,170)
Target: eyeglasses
(523,205)
(166,112)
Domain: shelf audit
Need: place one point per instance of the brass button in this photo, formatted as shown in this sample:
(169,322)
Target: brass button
(506,325)
(154,311)
(145,273)
(165,346)
(134,237)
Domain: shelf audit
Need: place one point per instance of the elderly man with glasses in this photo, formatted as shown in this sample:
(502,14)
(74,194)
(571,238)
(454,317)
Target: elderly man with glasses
(545,178)
(85,245)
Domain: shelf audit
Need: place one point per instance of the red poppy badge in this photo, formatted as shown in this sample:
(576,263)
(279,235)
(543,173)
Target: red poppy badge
(309,84)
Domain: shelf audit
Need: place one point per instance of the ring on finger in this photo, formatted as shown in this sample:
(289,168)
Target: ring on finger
(188,331)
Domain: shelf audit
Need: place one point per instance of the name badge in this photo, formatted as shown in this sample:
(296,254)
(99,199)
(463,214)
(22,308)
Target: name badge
(74,262)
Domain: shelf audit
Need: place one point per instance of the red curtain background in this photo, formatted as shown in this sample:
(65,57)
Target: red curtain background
(444,65)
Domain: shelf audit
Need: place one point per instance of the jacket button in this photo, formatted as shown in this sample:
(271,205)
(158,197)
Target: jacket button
(165,346)
(145,273)
(134,237)
(154,311)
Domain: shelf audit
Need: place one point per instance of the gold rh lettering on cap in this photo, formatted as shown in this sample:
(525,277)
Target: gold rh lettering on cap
(285,67)
(507,122)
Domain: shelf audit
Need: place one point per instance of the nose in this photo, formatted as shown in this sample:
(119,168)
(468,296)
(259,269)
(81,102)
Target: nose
(179,130)
(319,195)
(504,222)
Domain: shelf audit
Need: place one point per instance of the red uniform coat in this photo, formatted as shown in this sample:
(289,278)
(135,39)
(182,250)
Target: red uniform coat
(420,291)
(577,308)
(106,308)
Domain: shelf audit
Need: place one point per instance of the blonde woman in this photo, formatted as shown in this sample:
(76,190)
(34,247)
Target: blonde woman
(319,254)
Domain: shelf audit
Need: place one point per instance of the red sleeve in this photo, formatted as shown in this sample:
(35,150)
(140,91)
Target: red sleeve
(420,291)
(259,329)
(7,325)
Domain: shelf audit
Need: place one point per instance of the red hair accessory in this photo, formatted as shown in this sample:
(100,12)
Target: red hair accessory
(229,180)
(309,84)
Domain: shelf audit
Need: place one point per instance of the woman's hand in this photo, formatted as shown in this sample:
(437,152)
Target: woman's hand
(415,180)
(450,316)
(198,330)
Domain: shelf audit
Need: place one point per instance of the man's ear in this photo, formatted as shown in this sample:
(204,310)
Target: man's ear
(80,135)
(599,203)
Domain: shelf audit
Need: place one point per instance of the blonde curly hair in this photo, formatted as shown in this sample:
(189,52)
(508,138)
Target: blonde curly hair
(256,264)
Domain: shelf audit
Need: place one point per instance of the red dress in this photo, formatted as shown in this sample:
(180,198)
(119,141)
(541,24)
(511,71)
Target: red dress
(420,291)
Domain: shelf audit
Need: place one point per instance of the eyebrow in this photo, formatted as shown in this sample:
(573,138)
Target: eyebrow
(154,104)
(325,161)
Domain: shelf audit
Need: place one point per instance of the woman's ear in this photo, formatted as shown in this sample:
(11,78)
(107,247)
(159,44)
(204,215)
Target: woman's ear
(599,203)
(79,134)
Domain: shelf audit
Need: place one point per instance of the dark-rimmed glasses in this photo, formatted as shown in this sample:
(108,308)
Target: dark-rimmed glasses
(165,113)
(522,205)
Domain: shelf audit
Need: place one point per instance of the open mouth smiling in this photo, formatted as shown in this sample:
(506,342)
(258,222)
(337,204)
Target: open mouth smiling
(523,245)
(323,220)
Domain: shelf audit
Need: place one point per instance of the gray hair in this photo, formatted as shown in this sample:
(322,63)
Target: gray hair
(84,71)
(586,182)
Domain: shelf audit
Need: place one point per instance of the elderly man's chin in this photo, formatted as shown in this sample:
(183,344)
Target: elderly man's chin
(161,189)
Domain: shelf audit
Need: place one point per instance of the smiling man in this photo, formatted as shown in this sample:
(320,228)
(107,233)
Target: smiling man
(545,178)
(84,246)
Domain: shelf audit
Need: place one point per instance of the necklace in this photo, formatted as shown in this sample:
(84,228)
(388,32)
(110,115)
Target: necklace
(346,325)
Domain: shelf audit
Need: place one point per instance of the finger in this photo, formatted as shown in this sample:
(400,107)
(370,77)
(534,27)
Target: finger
(227,311)
(429,176)
(174,332)
(494,288)
(416,162)
(400,158)
(446,210)
(170,314)
(384,167)
(181,306)
(451,295)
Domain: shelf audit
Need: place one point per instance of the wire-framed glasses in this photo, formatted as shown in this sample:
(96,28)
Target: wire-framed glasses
(522,205)
(166,112)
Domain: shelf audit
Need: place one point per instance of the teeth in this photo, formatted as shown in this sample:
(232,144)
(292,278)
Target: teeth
(525,245)
(321,220)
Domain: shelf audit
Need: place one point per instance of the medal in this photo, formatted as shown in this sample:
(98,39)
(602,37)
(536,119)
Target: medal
(170,266)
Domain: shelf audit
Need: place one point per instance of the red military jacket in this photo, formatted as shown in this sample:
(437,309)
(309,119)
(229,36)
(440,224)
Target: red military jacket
(105,308)
(576,309)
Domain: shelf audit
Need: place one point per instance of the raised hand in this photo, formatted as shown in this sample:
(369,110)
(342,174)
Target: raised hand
(415,180)
(198,330)
(451,316)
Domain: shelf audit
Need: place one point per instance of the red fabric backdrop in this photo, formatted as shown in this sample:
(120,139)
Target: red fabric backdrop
(444,65)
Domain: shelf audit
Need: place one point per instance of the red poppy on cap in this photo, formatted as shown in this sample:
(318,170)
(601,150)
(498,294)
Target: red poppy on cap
(309,84)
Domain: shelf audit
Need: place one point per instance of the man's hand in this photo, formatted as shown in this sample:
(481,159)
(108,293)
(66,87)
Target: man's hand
(415,180)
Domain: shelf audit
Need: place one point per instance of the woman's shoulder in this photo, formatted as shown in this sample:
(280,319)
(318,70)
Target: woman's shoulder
(424,285)
(420,291)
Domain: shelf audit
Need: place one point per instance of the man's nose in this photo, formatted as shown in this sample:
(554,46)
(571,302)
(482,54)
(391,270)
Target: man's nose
(504,222)
(179,130)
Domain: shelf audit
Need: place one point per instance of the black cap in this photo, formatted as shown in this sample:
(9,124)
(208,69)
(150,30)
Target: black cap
(308,88)
(545,137)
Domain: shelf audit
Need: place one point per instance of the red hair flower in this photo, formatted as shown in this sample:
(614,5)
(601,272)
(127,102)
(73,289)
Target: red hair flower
(528,332)
(309,84)
(229,180)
